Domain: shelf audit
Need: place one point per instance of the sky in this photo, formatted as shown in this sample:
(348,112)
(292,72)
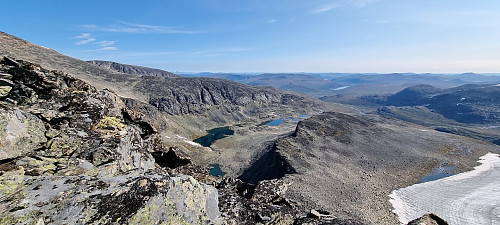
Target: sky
(382,36)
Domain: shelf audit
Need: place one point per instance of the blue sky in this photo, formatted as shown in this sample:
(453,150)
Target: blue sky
(451,36)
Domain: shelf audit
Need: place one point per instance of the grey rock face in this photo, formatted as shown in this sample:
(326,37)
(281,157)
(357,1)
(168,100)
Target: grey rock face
(20,133)
(134,70)
(428,219)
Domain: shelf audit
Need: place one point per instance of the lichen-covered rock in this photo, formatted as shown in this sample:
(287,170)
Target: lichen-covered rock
(20,133)
(72,154)
(148,199)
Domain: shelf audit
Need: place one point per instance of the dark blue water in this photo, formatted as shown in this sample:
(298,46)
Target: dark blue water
(213,135)
(216,171)
(274,122)
(302,116)
(438,173)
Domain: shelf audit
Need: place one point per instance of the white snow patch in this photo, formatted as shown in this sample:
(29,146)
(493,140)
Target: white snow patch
(340,88)
(466,198)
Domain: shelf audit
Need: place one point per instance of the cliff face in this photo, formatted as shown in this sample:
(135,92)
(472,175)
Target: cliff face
(134,70)
(73,154)
(199,95)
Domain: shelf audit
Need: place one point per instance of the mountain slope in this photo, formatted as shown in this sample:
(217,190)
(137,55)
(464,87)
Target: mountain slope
(134,70)
(348,165)
(472,103)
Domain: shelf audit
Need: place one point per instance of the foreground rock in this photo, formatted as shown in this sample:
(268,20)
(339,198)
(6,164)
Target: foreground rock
(71,154)
(428,219)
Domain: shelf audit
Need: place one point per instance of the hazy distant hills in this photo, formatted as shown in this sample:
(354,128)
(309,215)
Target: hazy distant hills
(134,70)
(347,85)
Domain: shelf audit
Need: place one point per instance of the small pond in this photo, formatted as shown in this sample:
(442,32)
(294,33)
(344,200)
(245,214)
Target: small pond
(438,173)
(213,135)
(215,170)
(274,122)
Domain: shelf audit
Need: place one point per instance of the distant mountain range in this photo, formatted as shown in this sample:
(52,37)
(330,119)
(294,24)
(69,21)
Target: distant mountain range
(349,84)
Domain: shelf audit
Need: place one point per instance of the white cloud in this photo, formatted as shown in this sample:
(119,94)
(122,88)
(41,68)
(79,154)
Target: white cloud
(83,35)
(272,21)
(86,41)
(110,48)
(87,38)
(325,8)
(105,43)
(125,27)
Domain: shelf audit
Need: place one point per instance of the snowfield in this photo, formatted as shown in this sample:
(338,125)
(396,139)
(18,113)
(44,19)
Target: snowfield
(467,198)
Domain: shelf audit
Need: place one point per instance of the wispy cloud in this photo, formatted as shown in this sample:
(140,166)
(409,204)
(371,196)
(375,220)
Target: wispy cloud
(125,27)
(85,38)
(325,8)
(105,43)
(83,35)
(110,48)
(272,21)
(86,41)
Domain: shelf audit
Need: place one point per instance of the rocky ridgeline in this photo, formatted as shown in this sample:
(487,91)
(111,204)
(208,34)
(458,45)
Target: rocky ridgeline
(71,154)
(134,70)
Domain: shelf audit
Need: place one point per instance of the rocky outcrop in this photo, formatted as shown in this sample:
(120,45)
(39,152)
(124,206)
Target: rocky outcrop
(134,70)
(428,219)
(72,154)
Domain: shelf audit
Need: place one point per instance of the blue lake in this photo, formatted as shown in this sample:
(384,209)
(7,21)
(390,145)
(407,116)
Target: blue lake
(216,171)
(213,135)
(438,173)
(274,122)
